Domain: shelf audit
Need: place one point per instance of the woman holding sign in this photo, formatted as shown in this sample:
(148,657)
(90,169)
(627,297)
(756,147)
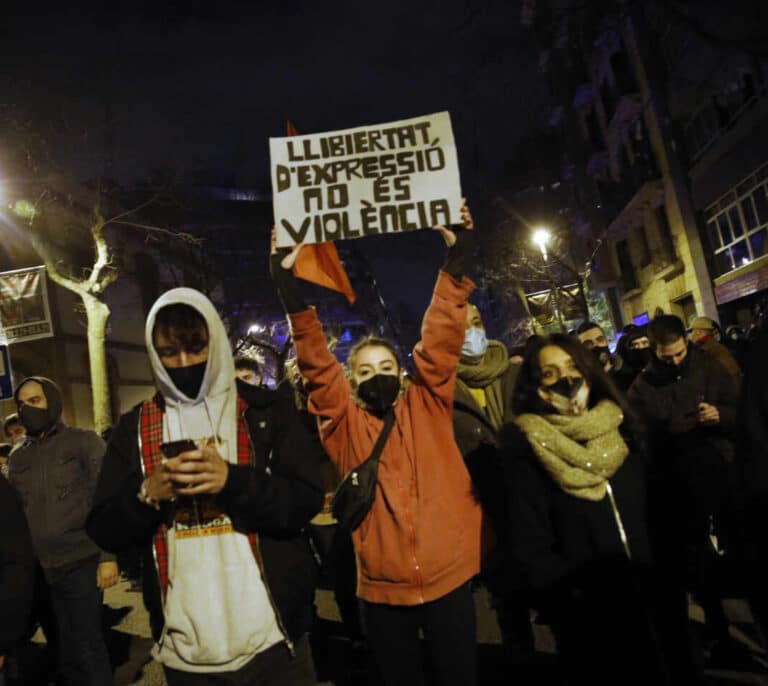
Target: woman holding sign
(419,544)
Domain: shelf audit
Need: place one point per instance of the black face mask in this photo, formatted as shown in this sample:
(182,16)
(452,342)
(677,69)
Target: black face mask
(602,353)
(637,359)
(188,379)
(668,371)
(566,386)
(35,419)
(379,392)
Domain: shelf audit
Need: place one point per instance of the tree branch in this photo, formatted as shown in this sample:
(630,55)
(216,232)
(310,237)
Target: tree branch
(180,235)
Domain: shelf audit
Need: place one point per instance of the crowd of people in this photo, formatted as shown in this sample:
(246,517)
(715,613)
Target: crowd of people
(593,491)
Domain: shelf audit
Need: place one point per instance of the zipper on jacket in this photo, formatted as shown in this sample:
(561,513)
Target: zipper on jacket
(617,518)
(262,567)
(412,530)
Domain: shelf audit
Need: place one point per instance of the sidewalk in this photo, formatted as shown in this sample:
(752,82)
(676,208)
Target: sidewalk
(129,642)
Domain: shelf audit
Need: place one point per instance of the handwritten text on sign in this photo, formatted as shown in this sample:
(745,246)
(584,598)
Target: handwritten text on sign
(388,178)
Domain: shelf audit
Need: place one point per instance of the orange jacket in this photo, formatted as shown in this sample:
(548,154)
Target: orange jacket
(421,538)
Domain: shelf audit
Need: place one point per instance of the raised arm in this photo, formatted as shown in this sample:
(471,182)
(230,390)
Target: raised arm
(442,331)
(330,396)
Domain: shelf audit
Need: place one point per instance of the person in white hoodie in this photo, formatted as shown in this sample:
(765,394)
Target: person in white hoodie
(228,576)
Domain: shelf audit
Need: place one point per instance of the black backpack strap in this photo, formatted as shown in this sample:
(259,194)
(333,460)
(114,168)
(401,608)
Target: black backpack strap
(389,422)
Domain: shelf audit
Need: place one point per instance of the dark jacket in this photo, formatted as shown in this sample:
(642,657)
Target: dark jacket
(17,568)
(754,419)
(55,475)
(567,554)
(275,498)
(668,402)
(477,439)
(561,543)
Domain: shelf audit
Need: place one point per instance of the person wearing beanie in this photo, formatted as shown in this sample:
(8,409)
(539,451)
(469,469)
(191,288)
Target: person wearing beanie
(703,332)
(55,472)
(634,348)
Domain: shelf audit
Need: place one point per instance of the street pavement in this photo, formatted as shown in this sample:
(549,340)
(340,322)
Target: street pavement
(128,635)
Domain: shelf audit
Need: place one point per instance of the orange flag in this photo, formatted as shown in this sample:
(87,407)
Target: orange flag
(320,263)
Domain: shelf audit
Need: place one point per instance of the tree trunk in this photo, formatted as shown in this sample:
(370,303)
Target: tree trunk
(98,314)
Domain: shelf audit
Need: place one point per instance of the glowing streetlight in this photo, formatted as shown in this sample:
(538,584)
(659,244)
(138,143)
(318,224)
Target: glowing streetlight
(541,237)
(256,328)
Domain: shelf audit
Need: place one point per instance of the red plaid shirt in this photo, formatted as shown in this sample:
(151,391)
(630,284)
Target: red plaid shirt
(151,431)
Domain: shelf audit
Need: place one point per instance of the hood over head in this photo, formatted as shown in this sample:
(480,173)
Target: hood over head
(212,412)
(44,419)
(220,368)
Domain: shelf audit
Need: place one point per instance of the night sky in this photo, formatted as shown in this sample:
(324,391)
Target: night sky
(195,92)
(200,91)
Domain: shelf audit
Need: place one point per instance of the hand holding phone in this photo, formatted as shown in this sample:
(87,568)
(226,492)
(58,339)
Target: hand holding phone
(205,471)
(173,449)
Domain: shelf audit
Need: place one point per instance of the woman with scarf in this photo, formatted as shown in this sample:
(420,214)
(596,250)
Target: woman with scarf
(576,515)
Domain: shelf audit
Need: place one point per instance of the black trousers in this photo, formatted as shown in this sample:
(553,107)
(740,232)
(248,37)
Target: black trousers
(77,604)
(274,667)
(448,624)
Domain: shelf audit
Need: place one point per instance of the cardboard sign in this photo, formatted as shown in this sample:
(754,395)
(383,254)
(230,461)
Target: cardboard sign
(371,180)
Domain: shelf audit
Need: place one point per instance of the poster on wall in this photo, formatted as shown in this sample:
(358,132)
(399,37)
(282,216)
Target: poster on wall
(24,311)
(370,180)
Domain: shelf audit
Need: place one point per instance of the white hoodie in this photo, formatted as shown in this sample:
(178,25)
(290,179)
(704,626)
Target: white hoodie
(217,609)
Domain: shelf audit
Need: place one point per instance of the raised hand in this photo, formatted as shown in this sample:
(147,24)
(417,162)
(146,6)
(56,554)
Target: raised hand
(449,235)
(292,255)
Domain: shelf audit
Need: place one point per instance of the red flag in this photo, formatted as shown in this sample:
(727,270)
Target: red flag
(320,263)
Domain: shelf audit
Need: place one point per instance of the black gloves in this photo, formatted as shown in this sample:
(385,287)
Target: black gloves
(288,288)
(457,253)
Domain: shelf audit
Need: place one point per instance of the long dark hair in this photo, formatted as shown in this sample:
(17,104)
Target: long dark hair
(526,397)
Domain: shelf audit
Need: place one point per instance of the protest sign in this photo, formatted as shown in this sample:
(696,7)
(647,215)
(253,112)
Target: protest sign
(370,180)
(24,311)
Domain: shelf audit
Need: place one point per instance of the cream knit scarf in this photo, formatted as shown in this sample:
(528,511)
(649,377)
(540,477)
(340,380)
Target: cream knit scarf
(580,453)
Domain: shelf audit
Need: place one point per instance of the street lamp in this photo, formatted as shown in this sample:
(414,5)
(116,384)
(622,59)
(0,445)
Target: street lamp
(541,237)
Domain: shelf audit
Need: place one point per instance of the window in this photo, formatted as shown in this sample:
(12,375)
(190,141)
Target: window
(737,224)
(665,233)
(626,268)
(644,251)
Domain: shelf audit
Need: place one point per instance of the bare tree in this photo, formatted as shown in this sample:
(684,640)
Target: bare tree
(53,214)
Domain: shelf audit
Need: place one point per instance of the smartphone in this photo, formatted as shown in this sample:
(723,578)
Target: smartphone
(174,448)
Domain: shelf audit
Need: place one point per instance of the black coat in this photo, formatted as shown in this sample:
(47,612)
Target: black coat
(275,497)
(754,419)
(567,554)
(17,568)
(692,474)
(560,542)
(667,403)
(477,440)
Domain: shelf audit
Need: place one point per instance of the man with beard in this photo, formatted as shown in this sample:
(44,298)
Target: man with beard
(689,405)
(214,479)
(55,472)
(593,338)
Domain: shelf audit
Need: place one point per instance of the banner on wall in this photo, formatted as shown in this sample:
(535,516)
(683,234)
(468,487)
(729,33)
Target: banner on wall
(370,180)
(24,311)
